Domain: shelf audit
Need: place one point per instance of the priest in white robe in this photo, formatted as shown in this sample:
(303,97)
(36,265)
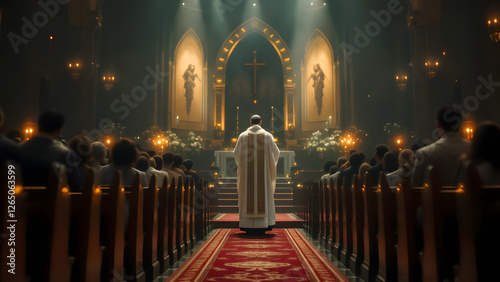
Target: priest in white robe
(256,156)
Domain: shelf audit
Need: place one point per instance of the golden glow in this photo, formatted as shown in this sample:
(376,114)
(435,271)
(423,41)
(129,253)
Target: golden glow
(51,37)
(282,50)
(264,30)
(237,35)
(242,29)
(65,190)
(275,140)
(286,60)
(255,101)
(219,80)
(398,141)
(230,41)
(221,59)
(97,190)
(277,41)
(108,141)
(271,36)
(123,189)
(444,53)
(226,50)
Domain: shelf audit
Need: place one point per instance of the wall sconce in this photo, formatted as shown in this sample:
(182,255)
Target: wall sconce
(431,68)
(108,82)
(74,69)
(401,80)
(494,30)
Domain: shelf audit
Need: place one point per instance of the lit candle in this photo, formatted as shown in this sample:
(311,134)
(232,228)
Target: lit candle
(272,119)
(177,121)
(329,121)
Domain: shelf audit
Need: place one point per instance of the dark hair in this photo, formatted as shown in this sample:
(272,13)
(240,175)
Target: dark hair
(449,118)
(341,161)
(486,144)
(159,162)
(380,151)
(168,158)
(177,160)
(99,151)
(356,159)
(333,169)
(142,163)
(188,164)
(50,122)
(81,145)
(328,164)
(390,161)
(352,152)
(124,152)
(255,119)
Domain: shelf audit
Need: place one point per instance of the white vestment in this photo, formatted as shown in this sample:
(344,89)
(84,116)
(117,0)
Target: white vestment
(256,156)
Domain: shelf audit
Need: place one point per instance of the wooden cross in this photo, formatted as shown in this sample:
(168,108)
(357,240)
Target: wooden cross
(255,65)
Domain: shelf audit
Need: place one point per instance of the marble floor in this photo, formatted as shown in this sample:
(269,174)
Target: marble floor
(339,265)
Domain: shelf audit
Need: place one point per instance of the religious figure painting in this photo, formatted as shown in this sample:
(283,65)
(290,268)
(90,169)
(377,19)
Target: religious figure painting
(188,96)
(318,77)
(320,92)
(189,84)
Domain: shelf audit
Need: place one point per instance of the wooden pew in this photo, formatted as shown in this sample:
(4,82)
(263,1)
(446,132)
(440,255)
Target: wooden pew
(346,196)
(199,210)
(185,209)
(321,212)
(18,259)
(151,209)
(179,218)
(357,226)
(408,199)
(387,267)
(439,209)
(84,236)
(134,234)
(47,230)
(325,214)
(331,215)
(339,227)
(369,268)
(167,252)
(112,229)
(192,195)
(479,229)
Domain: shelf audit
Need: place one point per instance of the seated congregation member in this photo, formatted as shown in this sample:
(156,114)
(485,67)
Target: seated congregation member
(151,170)
(98,155)
(485,153)
(177,166)
(355,161)
(326,169)
(9,151)
(362,172)
(376,169)
(341,167)
(406,159)
(333,169)
(158,161)
(168,162)
(79,160)
(124,155)
(445,152)
(38,153)
(390,162)
(189,168)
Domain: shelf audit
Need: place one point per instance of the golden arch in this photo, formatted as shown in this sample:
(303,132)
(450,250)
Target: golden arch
(254,25)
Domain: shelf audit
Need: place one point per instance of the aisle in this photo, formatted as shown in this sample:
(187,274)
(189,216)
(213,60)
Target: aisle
(281,254)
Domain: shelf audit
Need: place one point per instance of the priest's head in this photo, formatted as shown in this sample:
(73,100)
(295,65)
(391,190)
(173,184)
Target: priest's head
(255,119)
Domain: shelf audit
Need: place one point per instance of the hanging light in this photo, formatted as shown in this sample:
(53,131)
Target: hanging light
(431,68)
(401,80)
(494,30)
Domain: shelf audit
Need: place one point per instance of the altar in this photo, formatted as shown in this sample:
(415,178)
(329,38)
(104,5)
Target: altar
(224,160)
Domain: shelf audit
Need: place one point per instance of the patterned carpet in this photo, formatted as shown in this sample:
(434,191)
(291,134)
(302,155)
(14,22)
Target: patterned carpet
(281,254)
(235,217)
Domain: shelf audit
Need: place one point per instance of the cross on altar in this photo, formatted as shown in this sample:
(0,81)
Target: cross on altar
(255,65)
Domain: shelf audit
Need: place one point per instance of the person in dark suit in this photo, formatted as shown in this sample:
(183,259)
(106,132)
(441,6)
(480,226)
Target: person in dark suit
(380,151)
(38,153)
(355,161)
(9,151)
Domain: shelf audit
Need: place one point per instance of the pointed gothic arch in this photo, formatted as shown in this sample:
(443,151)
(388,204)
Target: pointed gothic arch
(254,25)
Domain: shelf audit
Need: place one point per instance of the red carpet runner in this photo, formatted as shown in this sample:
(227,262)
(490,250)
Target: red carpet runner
(236,217)
(281,254)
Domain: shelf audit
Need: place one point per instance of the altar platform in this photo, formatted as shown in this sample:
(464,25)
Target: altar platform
(224,160)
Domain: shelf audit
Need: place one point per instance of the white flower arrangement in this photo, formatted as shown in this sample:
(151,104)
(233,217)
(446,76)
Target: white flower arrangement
(319,144)
(193,144)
